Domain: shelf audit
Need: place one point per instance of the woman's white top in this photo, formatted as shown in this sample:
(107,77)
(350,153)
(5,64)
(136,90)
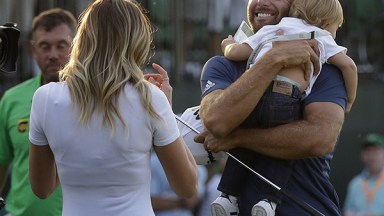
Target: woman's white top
(102,173)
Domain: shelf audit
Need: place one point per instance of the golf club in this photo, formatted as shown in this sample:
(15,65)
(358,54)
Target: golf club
(298,201)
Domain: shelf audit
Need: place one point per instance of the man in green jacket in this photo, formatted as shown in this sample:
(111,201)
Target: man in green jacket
(52,34)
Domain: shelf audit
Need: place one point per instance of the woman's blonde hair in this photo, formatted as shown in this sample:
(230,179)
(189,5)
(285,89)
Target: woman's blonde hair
(318,12)
(113,42)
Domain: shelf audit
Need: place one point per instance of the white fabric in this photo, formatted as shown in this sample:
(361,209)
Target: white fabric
(192,119)
(102,173)
(290,25)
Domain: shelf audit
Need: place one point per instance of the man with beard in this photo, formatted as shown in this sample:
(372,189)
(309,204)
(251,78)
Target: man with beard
(52,34)
(230,94)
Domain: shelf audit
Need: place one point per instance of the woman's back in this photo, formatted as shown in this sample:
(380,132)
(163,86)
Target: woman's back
(93,132)
(101,171)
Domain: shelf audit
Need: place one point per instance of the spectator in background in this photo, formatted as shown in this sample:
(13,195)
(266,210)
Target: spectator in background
(195,14)
(365,193)
(364,36)
(223,14)
(165,201)
(52,34)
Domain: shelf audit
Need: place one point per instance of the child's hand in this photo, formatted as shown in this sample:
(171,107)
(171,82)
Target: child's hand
(227,41)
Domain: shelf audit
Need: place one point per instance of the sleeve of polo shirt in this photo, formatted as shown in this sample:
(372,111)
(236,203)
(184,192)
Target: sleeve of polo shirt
(329,87)
(37,119)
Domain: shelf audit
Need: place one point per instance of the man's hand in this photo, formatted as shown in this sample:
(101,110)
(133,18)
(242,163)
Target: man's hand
(298,52)
(214,144)
(314,136)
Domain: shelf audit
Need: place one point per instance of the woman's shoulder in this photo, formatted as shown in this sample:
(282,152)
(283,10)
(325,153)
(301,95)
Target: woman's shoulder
(52,89)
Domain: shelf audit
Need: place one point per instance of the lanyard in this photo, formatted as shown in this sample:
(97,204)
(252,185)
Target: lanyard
(370,193)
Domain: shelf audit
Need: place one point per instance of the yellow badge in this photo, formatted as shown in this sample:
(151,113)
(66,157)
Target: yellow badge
(22,125)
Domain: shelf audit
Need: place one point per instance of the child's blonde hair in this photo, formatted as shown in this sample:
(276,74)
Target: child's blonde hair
(318,12)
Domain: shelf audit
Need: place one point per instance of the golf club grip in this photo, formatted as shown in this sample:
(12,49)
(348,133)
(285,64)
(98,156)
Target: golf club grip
(301,203)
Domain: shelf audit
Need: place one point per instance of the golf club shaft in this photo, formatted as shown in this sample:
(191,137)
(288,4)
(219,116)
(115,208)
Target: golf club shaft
(298,201)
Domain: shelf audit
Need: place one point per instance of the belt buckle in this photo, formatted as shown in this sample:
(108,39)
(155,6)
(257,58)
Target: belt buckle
(282,87)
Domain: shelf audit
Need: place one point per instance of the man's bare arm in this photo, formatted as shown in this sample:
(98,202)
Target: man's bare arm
(224,110)
(313,136)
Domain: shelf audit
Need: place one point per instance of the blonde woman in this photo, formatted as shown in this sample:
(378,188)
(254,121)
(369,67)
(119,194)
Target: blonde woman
(93,131)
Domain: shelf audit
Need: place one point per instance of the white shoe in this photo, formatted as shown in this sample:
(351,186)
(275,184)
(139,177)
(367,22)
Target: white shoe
(264,208)
(224,205)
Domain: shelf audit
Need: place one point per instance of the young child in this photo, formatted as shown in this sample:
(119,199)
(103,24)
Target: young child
(322,18)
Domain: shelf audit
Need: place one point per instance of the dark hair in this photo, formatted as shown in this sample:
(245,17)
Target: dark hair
(51,18)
